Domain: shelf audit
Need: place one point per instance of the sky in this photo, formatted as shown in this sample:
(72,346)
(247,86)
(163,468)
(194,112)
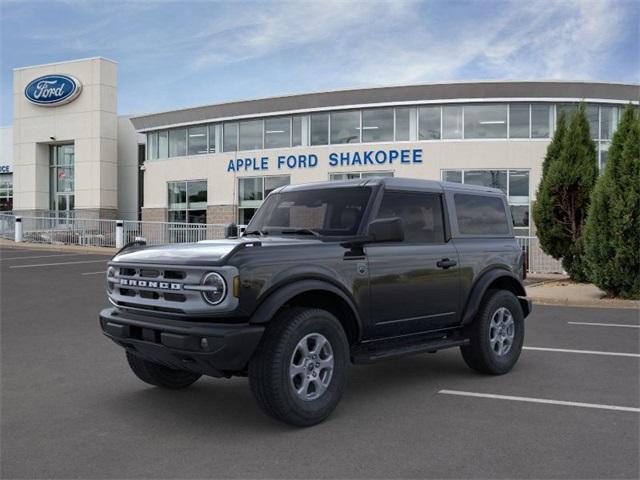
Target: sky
(176,54)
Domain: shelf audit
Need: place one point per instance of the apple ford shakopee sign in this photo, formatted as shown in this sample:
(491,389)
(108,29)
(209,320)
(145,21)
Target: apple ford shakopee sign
(53,90)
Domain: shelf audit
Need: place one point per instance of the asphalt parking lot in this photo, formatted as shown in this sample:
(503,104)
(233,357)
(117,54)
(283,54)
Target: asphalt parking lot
(70,407)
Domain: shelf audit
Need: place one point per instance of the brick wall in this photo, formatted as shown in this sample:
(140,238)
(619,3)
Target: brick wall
(154,214)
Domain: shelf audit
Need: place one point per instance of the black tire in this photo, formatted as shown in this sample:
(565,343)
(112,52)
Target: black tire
(159,375)
(479,354)
(269,375)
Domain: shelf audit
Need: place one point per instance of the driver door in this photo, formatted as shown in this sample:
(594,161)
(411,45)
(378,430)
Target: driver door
(414,284)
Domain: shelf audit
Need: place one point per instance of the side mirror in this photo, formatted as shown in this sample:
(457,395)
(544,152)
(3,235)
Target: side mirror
(386,230)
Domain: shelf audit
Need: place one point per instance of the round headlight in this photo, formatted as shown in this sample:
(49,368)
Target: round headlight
(216,288)
(111,273)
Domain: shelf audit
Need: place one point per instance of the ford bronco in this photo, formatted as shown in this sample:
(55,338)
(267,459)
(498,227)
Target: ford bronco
(325,275)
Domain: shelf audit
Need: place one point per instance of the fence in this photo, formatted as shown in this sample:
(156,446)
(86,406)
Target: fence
(7,226)
(537,260)
(104,233)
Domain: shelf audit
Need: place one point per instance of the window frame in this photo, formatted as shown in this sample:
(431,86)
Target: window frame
(186,209)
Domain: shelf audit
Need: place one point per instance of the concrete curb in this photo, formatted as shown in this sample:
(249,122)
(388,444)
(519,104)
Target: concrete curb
(602,303)
(54,247)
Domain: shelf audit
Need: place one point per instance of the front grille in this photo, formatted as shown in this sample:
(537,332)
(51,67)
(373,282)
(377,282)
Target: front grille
(164,289)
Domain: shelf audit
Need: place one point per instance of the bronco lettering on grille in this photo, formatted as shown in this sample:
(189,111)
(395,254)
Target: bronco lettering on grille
(127,282)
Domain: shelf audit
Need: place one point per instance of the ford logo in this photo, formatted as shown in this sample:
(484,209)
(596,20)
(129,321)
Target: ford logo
(53,90)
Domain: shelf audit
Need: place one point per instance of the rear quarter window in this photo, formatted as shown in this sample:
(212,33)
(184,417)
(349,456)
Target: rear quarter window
(481,215)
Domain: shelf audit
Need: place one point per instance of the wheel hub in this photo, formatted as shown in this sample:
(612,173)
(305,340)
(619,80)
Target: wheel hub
(311,366)
(501,331)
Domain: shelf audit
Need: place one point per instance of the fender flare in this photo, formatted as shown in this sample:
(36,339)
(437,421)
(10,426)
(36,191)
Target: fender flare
(281,295)
(481,286)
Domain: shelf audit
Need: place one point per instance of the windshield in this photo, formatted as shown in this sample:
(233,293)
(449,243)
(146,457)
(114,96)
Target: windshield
(325,212)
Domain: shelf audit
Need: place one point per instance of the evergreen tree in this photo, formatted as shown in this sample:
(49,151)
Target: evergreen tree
(612,233)
(563,198)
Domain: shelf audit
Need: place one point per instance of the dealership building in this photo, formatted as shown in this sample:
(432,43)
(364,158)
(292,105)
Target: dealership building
(69,151)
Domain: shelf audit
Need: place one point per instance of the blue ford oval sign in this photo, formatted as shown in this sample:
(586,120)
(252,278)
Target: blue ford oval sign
(53,90)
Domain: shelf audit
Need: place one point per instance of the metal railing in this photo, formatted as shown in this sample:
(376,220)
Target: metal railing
(537,260)
(158,233)
(7,226)
(104,233)
(69,231)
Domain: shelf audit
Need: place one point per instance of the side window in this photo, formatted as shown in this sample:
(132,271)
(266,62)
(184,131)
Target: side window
(481,215)
(421,215)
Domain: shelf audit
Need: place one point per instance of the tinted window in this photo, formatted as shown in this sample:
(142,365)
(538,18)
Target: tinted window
(481,215)
(345,127)
(421,215)
(485,121)
(320,129)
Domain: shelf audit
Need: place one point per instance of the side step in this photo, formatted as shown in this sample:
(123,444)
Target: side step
(386,349)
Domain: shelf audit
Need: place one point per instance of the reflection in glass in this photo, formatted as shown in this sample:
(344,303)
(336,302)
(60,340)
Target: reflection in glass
(403,124)
(487,178)
(320,129)
(178,142)
(541,120)
(277,132)
(454,176)
(377,125)
(519,120)
(296,131)
(452,121)
(197,140)
(345,127)
(251,135)
(163,144)
(230,137)
(429,123)
(485,121)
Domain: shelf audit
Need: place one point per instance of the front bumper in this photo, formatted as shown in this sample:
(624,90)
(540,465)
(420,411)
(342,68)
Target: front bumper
(180,345)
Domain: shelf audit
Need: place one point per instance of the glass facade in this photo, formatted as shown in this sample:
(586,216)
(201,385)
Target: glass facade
(357,175)
(377,125)
(384,124)
(429,123)
(345,127)
(61,179)
(514,183)
(187,201)
(252,191)
(6,192)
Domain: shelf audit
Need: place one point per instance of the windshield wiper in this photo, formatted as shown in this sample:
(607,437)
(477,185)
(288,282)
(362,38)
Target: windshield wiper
(300,231)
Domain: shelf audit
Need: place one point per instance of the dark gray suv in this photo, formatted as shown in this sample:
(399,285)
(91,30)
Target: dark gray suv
(325,275)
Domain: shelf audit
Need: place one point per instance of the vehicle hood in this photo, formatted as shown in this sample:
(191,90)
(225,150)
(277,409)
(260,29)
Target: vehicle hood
(207,252)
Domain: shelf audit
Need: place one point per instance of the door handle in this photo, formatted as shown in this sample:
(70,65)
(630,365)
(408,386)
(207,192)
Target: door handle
(446,263)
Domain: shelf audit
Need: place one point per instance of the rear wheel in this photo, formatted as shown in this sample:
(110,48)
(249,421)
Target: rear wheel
(496,334)
(159,375)
(297,374)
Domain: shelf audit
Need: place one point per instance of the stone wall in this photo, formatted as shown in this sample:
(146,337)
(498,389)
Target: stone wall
(221,214)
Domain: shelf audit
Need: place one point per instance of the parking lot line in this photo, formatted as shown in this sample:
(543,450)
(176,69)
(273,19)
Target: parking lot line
(540,400)
(588,352)
(54,264)
(604,324)
(42,256)
(94,273)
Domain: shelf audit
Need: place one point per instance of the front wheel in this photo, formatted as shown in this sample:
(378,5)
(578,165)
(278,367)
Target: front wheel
(298,372)
(496,334)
